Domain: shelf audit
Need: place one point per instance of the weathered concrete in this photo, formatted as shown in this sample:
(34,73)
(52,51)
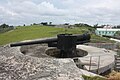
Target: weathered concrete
(14,65)
(110,46)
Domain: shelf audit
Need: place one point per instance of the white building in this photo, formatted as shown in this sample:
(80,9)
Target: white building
(107,30)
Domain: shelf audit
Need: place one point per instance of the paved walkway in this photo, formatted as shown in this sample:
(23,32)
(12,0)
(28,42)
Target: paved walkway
(117,40)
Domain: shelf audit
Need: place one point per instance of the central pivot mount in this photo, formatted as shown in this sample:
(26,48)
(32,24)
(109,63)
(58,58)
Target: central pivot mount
(67,45)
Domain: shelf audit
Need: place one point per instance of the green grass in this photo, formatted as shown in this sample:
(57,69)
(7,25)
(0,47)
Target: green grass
(99,39)
(93,77)
(36,31)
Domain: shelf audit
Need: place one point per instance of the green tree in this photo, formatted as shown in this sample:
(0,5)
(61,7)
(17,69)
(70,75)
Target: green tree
(4,26)
(95,26)
(50,23)
(117,34)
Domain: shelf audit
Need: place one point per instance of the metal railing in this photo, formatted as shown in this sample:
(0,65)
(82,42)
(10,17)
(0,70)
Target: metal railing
(95,62)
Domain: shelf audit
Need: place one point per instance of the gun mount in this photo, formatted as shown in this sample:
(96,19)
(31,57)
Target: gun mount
(66,43)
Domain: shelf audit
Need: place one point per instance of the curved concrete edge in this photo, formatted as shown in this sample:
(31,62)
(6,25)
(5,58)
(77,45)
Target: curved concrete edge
(87,73)
(98,60)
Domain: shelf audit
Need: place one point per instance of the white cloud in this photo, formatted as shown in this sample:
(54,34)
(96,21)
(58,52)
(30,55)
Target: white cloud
(4,11)
(58,11)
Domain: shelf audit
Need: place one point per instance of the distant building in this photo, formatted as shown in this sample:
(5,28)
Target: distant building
(106,30)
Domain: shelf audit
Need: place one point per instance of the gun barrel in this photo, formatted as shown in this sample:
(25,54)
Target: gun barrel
(83,37)
(49,40)
(53,41)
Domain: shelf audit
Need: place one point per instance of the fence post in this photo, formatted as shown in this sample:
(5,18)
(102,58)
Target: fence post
(90,63)
(115,61)
(98,65)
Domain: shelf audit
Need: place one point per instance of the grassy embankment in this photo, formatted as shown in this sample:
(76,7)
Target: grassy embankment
(34,32)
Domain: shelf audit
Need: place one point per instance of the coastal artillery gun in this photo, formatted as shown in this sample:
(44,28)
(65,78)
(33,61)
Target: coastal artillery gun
(66,43)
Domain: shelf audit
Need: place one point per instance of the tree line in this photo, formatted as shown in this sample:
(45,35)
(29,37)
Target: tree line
(4,28)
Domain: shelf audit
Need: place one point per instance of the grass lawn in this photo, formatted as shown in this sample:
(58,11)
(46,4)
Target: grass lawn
(93,77)
(37,31)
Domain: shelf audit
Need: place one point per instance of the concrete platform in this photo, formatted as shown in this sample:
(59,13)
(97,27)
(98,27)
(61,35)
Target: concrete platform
(98,60)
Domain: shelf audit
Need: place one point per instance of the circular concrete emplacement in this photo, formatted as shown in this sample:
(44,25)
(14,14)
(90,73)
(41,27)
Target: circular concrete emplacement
(42,51)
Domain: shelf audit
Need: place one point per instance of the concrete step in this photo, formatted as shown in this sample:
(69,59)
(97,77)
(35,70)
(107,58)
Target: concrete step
(118,58)
(117,67)
(118,64)
(117,61)
(117,55)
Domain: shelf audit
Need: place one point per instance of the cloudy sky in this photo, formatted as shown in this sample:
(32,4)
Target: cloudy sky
(18,12)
